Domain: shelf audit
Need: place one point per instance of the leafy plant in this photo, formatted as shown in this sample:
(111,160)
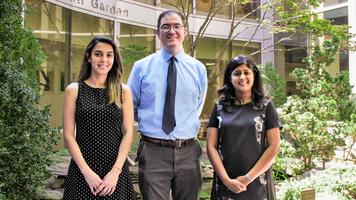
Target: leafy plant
(341,92)
(25,136)
(310,119)
(337,182)
(203,195)
(349,130)
(285,165)
(132,53)
(274,83)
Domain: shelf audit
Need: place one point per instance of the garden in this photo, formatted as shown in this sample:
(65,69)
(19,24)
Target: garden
(318,136)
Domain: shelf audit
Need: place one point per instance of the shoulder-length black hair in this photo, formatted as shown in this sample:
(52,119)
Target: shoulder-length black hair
(227,91)
(113,79)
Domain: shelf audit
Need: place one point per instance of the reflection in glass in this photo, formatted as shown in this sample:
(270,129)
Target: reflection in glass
(344,60)
(251,49)
(84,27)
(50,27)
(333,2)
(207,52)
(295,54)
(248,9)
(62,82)
(135,43)
(187,44)
(337,16)
(149,2)
(203,7)
(176,4)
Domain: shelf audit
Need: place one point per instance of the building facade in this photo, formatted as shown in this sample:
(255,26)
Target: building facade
(342,12)
(64,28)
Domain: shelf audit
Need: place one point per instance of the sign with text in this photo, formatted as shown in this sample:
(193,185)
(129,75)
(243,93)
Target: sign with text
(308,194)
(112,10)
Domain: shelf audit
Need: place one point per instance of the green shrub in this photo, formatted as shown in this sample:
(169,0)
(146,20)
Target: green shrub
(285,165)
(347,189)
(311,119)
(274,84)
(307,124)
(25,136)
(18,46)
(132,53)
(342,92)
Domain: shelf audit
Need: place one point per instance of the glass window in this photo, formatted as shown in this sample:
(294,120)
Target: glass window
(149,2)
(333,2)
(50,26)
(187,44)
(344,60)
(55,27)
(250,50)
(176,4)
(84,27)
(203,7)
(135,43)
(337,16)
(248,9)
(295,54)
(207,51)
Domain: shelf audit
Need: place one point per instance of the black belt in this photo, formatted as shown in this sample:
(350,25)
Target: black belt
(167,143)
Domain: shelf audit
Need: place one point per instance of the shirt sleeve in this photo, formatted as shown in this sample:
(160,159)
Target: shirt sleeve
(204,89)
(272,120)
(214,121)
(134,84)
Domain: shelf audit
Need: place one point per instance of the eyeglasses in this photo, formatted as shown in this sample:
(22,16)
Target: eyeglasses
(167,27)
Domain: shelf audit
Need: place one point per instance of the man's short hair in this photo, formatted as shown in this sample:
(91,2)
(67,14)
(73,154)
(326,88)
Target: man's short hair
(168,12)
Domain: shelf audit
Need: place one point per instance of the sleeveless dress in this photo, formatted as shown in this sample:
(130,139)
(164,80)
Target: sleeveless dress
(241,131)
(98,134)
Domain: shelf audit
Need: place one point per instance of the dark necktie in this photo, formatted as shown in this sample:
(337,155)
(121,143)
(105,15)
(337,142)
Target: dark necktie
(169,121)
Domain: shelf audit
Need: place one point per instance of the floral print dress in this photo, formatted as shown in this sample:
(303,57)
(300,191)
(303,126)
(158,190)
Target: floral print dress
(241,130)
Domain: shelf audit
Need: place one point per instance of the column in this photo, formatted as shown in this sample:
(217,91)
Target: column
(267,54)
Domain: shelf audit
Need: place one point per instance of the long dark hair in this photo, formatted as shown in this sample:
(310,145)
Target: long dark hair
(113,79)
(227,91)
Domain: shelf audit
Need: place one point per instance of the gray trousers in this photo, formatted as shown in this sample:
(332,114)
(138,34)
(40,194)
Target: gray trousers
(161,169)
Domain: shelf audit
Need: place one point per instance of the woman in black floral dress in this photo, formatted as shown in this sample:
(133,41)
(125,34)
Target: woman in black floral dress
(240,122)
(98,127)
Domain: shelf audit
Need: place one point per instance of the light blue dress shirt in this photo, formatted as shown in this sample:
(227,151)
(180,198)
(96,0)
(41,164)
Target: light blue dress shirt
(148,82)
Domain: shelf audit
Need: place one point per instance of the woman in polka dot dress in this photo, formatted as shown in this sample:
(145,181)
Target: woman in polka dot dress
(98,127)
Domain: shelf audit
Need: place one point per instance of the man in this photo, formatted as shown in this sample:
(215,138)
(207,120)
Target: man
(169,89)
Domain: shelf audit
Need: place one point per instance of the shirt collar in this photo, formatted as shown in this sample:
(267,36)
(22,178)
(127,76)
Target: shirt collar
(166,56)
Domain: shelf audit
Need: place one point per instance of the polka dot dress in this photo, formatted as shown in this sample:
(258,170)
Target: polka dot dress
(98,134)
